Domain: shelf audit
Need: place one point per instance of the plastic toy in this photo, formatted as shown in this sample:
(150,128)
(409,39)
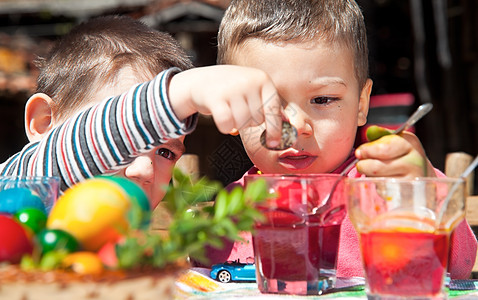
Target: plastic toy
(234,271)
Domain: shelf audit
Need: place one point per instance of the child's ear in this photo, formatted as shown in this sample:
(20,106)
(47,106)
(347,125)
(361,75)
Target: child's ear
(38,116)
(364,102)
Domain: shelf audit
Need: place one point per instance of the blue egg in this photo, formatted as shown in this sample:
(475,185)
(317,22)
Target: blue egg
(14,199)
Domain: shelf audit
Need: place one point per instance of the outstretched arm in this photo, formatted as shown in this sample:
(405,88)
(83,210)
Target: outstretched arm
(104,137)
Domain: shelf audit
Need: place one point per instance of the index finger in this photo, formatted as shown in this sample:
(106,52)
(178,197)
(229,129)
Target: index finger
(272,114)
(385,148)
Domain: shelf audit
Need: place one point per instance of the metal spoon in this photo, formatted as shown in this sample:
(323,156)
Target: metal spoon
(288,137)
(421,111)
(452,190)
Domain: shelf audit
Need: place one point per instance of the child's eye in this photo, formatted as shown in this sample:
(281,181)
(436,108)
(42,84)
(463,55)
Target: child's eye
(166,153)
(323,100)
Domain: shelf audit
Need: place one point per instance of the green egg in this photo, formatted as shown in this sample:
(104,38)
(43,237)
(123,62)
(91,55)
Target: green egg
(375,132)
(56,239)
(32,218)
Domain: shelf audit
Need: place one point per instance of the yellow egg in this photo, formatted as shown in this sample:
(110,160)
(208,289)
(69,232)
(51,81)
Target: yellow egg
(93,211)
(83,262)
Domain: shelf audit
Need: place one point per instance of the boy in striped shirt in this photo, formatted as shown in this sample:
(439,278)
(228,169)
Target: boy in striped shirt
(78,128)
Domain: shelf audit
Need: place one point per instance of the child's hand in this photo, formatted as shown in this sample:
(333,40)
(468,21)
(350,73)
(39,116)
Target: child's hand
(390,155)
(236,97)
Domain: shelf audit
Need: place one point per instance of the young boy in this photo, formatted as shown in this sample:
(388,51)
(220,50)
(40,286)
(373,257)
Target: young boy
(78,130)
(316,53)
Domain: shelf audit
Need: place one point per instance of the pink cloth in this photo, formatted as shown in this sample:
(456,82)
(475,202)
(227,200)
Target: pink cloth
(349,261)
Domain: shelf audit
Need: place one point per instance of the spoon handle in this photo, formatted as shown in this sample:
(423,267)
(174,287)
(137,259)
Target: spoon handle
(452,190)
(470,168)
(421,111)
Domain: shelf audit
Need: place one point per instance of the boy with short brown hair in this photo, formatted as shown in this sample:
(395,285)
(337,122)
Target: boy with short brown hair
(316,53)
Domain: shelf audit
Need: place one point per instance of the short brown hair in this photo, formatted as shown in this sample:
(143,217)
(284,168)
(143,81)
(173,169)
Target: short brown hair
(335,21)
(93,52)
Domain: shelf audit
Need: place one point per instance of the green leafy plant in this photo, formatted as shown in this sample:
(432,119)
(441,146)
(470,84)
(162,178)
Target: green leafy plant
(196,223)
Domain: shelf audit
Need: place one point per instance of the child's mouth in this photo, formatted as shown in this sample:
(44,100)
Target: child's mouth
(296,161)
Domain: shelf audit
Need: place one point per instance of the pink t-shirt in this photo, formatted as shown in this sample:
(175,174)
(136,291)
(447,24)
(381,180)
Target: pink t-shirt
(349,262)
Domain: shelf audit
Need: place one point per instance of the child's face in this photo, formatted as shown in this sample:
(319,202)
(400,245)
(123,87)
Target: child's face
(152,170)
(322,100)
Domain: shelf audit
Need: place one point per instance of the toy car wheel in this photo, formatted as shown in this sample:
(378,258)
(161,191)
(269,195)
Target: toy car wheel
(224,276)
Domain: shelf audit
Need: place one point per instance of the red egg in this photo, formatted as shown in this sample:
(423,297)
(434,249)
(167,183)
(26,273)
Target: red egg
(107,255)
(14,240)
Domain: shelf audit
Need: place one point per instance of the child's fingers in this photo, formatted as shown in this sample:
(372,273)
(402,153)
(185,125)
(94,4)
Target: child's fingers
(393,155)
(272,114)
(410,165)
(414,142)
(256,109)
(240,112)
(390,145)
(385,148)
(222,115)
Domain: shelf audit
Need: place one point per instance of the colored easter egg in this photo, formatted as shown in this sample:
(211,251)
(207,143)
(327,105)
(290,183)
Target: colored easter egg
(14,199)
(136,195)
(132,189)
(14,240)
(32,218)
(56,239)
(107,255)
(93,211)
(83,262)
(375,132)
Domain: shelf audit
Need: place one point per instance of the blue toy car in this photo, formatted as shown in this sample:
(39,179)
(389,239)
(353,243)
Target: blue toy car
(234,271)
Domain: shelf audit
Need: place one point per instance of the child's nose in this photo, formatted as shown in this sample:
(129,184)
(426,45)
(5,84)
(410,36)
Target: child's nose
(299,120)
(140,170)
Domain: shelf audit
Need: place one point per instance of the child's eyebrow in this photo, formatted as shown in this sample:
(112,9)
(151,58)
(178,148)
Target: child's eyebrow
(176,145)
(326,80)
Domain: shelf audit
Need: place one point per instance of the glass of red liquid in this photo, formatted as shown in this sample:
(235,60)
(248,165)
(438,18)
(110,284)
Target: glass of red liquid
(404,227)
(296,246)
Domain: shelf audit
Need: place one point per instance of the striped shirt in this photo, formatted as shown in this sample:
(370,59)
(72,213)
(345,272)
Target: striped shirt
(105,137)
